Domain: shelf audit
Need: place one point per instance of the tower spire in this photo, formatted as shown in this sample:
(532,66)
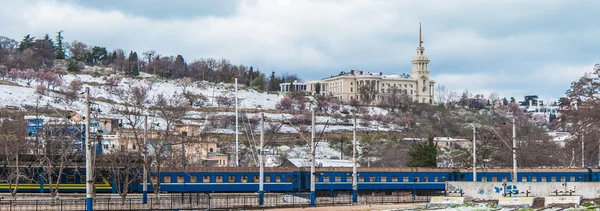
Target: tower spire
(420,36)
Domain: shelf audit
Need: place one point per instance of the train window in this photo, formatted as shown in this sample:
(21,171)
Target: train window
(543,178)
(81,179)
(278,179)
(99,180)
(256,180)
(231,179)
(394,178)
(348,178)
(383,179)
(553,179)
(152,178)
(193,179)
(361,178)
(206,179)
(70,178)
(494,179)
(180,179)
(338,179)
(417,179)
(572,179)
(289,179)
(484,179)
(325,178)
(504,178)
(524,179)
(443,179)
(405,179)
(426,179)
(435,179)
(580,179)
(462,177)
(372,179)
(563,179)
(534,178)
(244,179)
(267,178)
(219,179)
(167,179)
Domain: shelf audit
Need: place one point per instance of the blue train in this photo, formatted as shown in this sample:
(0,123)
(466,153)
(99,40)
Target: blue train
(340,179)
(245,179)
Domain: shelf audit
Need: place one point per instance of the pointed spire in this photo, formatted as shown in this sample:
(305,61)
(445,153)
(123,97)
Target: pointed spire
(420,36)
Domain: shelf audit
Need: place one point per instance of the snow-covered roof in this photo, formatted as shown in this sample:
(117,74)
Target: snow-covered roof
(321,163)
(436,139)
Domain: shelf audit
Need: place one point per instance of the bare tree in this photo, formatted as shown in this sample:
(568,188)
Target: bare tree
(14,144)
(441,94)
(396,98)
(368,93)
(125,168)
(171,110)
(62,146)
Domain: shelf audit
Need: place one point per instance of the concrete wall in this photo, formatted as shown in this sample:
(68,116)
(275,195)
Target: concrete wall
(496,190)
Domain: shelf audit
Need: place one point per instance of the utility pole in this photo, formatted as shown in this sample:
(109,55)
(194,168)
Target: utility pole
(261,175)
(237,150)
(145,188)
(89,200)
(183,151)
(313,195)
(514,151)
(354,179)
(474,155)
(583,149)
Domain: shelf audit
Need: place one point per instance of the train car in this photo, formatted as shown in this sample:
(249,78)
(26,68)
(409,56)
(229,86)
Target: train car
(379,179)
(70,182)
(529,175)
(223,179)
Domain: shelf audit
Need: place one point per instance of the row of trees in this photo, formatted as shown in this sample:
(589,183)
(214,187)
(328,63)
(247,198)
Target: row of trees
(41,54)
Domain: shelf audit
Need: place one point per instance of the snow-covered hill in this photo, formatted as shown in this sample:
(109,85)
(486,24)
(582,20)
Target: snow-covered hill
(17,93)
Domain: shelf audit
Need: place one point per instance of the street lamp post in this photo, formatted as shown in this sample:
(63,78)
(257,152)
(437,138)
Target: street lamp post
(261,175)
(474,155)
(514,148)
(313,195)
(145,177)
(89,200)
(354,174)
(237,150)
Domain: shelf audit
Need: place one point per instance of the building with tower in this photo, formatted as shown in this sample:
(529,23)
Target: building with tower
(347,86)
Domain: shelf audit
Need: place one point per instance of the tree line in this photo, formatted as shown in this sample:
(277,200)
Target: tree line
(41,54)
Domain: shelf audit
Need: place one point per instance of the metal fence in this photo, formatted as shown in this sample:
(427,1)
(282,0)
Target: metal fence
(201,201)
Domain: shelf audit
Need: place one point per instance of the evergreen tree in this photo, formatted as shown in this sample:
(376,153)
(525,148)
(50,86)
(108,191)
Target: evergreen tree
(423,154)
(133,63)
(259,83)
(60,50)
(273,82)
(318,88)
(512,99)
(98,55)
(504,101)
(180,67)
(250,74)
(72,66)
(26,43)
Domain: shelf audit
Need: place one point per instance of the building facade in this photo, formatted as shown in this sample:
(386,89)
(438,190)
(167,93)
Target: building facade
(346,85)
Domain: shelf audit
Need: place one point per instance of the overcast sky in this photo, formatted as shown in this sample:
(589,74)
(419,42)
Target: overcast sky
(513,48)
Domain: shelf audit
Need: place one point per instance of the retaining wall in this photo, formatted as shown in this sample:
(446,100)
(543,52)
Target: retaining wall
(496,190)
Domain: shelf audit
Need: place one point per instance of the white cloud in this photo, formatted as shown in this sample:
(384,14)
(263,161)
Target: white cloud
(483,46)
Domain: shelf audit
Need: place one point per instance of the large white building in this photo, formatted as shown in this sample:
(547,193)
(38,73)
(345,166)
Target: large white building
(345,85)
